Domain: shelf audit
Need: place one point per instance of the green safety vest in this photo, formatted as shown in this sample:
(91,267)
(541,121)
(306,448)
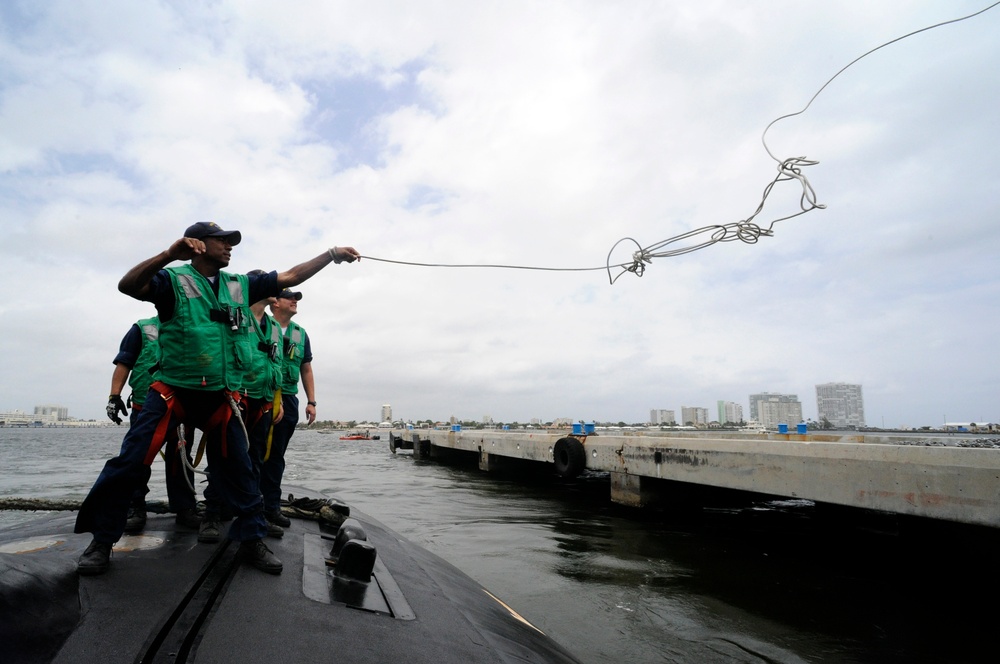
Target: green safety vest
(209,342)
(142,377)
(294,348)
(264,376)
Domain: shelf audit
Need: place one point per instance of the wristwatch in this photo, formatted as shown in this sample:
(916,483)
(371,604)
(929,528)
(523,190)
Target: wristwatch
(310,403)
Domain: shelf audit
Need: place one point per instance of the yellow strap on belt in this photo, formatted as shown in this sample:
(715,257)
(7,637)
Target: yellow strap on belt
(275,406)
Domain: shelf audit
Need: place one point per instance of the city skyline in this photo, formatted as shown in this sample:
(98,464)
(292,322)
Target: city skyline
(766,408)
(54,414)
(840,403)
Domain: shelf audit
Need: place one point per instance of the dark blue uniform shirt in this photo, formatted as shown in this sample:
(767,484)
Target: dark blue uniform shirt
(161,292)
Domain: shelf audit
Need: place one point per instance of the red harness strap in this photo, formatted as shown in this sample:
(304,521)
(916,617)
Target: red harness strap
(254,417)
(173,408)
(221,417)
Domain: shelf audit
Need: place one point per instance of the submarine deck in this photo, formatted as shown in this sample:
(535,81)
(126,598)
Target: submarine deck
(167,598)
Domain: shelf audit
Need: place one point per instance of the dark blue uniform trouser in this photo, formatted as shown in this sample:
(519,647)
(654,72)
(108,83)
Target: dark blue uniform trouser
(273,469)
(258,424)
(258,432)
(105,509)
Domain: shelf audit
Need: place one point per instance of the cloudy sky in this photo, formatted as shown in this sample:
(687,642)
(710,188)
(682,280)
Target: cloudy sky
(528,134)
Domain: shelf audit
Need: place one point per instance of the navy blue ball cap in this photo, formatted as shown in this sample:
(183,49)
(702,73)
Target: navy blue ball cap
(204,229)
(256,273)
(289,294)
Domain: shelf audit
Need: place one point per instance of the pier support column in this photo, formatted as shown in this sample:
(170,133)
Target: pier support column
(421,448)
(489,461)
(631,490)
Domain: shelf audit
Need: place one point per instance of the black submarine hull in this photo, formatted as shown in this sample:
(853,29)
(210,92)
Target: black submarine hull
(168,598)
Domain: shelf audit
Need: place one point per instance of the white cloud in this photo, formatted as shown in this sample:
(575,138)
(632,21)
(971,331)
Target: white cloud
(522,134)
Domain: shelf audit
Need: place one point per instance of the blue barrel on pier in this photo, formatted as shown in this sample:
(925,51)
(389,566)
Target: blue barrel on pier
(782,428)
(802,427)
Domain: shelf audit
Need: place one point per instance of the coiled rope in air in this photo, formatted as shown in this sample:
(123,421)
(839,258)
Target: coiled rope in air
(744,230)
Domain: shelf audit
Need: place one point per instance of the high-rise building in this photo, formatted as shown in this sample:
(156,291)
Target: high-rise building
(56,412)
(772,409)
(841,404)
(694,415)
(730,411)
(661,416)
(386,413)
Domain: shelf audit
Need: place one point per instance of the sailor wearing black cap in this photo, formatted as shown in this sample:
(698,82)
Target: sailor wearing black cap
(206,342)
(296,357)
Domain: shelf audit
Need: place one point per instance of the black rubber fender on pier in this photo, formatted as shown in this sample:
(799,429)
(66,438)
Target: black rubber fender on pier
(570,457)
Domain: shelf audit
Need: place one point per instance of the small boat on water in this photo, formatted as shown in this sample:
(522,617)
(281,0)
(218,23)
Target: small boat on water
(753,426)
(359,435)
(351,591)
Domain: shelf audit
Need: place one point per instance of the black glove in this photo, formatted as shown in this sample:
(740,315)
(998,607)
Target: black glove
(115,406)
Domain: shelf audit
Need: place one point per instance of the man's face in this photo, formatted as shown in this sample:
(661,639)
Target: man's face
(218,250)
(286,305)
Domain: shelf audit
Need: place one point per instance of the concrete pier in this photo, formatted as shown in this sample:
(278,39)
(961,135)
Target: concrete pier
(950,483)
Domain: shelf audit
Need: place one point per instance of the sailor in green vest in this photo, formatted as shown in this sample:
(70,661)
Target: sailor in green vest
(138,356)
(260,384)
(296,364)
(207,343)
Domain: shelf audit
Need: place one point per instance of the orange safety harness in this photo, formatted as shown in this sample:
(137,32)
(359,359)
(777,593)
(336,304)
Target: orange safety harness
(220,418)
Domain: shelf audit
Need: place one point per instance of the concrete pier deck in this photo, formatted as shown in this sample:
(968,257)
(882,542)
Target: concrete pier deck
(947,482)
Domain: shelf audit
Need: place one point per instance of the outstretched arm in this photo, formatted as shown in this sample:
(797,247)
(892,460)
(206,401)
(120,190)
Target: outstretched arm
(302,271)
(135,283)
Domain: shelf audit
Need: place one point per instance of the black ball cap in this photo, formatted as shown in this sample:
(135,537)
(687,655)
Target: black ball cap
(204,229)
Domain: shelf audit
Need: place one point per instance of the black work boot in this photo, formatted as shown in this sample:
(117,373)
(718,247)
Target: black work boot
(274,530)
(210,529)
(95,559)
(257,554)
(277,518)
(188,517)
(136,519)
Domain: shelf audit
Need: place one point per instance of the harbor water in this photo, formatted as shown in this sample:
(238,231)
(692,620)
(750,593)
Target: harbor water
(736,580)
